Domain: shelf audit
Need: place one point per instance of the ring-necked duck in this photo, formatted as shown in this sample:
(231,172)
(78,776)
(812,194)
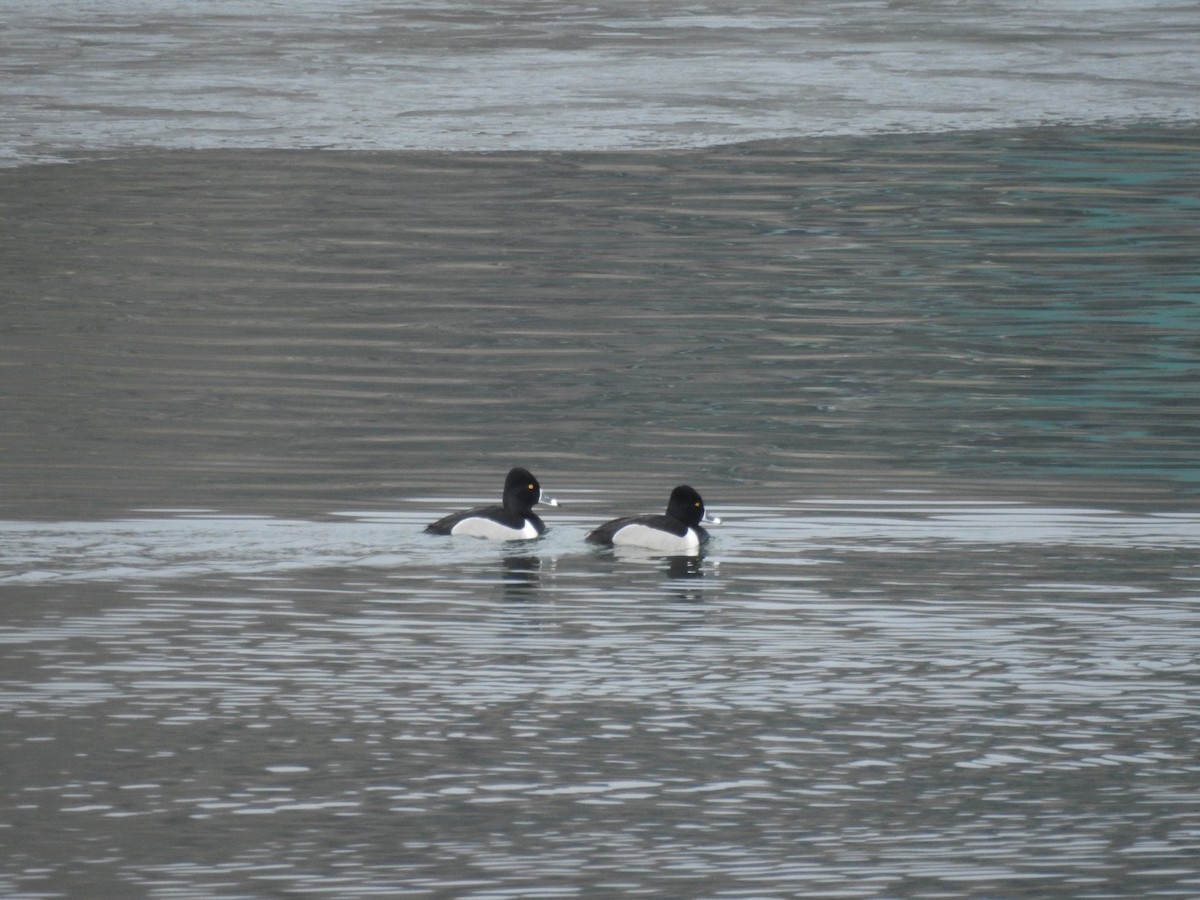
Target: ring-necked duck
(513,521)
(678,531)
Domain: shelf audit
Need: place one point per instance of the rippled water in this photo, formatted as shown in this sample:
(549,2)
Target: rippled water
(83,78)
(303,332)
(907,696)
(941,389)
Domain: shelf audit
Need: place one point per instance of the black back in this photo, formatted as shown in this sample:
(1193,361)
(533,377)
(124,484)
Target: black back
(521,492)
(685,509)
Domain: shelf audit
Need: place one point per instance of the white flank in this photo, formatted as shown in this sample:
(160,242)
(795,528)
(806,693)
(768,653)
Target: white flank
(653,539)
(493,531)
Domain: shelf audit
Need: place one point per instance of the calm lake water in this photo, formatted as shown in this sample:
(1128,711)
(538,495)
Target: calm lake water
(942,389)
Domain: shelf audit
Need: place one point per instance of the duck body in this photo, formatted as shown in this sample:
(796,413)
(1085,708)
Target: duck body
(492,522)
(652,532)
(677,531)
(513,520)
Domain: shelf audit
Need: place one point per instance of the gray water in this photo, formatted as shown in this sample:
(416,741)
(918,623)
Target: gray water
(942,391)
(84,77)
(912,698)
(941,388)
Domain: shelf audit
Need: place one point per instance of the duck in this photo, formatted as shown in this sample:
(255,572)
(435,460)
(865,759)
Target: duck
(678,531)
(513,520)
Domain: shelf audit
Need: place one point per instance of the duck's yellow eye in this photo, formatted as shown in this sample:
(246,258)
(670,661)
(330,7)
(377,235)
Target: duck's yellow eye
(533,487)
(697,506)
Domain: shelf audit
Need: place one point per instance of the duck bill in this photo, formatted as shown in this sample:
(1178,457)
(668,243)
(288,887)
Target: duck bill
(710,519)
(543,497)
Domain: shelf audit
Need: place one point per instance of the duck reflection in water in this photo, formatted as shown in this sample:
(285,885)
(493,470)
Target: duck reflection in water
(685,567)
(684,572)
(521,576)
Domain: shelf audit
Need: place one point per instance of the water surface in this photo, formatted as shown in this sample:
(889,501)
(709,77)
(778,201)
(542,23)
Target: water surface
(907,697)
(942,390)
(82,79)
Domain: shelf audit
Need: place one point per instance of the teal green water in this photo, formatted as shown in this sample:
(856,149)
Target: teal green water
(942,391)
(306,331)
